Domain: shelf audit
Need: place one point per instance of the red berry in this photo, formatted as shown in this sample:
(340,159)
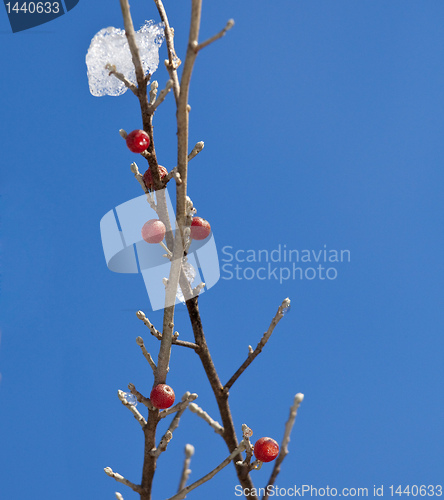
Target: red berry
(162,396)
(148,179)
(266,449)
(153,231)
(200,228)
(137,141)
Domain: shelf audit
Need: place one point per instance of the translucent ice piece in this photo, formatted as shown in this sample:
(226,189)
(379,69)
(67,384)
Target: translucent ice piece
(110,46)
(190,273)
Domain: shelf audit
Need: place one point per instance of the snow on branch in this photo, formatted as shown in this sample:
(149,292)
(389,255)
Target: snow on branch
(283,308)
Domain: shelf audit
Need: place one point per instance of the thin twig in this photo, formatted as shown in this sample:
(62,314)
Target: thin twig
(186,471)
(121,479)
(252,355)
(147,355)
(153,330)
(166,438)
(174,172)
(204,415)
(283,452)
(132,409)
(187,398)
(163,93)
(173,61)
(138,176)
(140,397)
(120,76)
(183,493)
(153,91)
(228,26)
(131,37)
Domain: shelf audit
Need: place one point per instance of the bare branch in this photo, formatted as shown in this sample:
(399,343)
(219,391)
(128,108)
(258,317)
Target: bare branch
(252,355)
(283,452)
(174,172)
(221,33)
(196,150)
(204,415)
(173,61)
(166,438)
(187,398)
(183,493)
(131,37)
(153,330)
(132,409)
(186,471)
(147,355)
(153,91)
(162,95)
(121,479)
(140,397)
(139,177)
(120,76)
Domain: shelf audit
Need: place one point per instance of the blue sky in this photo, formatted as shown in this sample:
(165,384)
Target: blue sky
(323,125)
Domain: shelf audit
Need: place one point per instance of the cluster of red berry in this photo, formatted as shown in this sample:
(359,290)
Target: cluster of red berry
(266,449)
(154,230)
(162,396)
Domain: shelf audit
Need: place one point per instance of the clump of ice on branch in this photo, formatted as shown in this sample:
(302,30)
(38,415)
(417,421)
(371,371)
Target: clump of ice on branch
(110,46)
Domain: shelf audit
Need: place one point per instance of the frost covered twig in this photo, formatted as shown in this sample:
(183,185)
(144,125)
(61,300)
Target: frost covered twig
(283,451)
(228,26)
(252,355)
(147,355)
(186,471)
(187,398)
(132,409)
(121,479)
(183,493)
(204,415)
